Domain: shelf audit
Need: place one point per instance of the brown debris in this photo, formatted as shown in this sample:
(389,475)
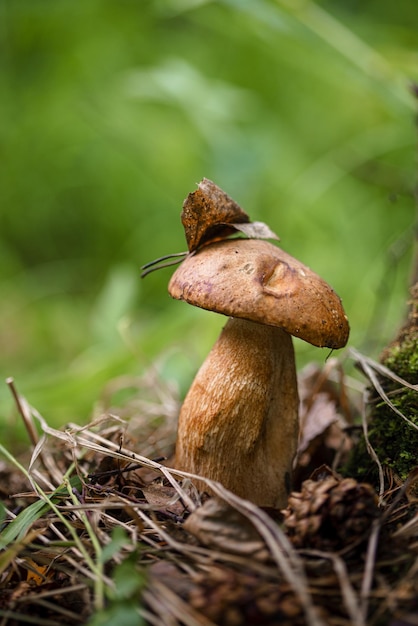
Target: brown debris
(337,559)
(326,415)
(233,598)
(219,526)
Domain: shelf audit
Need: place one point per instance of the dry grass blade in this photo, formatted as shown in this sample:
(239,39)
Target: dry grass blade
(370,448)
(384,371)
(174,609)
(369,367)
(369,568)
(349,596)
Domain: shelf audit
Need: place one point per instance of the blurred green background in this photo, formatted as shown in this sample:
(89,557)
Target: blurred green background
(111,112)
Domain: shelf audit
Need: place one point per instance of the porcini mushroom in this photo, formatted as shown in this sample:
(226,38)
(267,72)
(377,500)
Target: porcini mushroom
(239,421)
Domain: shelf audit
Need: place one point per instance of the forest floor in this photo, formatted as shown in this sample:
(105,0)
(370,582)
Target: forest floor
(97,528)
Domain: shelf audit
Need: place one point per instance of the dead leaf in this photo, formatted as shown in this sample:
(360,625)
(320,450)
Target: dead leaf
(256,230)
(36,574)
(209,215)
(321,415)
(217,525)
(163,498)
(324,419)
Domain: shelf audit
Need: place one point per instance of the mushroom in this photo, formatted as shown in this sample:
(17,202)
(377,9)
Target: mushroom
(239,421)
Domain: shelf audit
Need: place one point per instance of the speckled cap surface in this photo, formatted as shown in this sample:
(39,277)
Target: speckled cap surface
(255,280)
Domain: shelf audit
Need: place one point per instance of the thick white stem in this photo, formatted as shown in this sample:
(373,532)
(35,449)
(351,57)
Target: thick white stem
(239,421)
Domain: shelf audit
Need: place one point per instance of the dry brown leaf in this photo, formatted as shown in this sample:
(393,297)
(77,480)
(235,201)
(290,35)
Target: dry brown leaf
(163,498)
(217,525)
(324,419)
(37,574)
(320,416)
(209,215)
(256,230)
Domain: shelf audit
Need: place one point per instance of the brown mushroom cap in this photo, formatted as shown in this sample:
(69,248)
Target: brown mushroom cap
(255,280)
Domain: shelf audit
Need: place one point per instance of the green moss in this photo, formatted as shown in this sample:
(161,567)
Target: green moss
(394,440)
(403,360)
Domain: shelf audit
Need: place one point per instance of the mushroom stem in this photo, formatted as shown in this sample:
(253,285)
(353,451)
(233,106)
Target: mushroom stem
(239,421)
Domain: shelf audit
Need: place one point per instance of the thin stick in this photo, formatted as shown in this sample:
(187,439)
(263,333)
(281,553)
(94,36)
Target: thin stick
(24,413)
(27,413)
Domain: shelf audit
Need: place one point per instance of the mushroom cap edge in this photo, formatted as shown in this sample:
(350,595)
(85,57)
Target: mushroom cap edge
(257,281)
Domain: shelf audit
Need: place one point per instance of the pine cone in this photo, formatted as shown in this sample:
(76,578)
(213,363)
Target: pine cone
(330,513)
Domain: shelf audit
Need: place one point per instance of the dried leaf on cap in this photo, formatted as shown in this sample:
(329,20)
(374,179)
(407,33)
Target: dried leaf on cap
(209,214)
(256,230)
